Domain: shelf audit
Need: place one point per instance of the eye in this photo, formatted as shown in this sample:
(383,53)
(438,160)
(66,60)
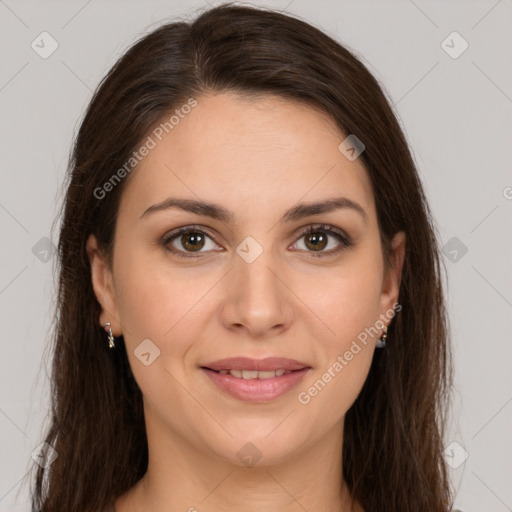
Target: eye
(186,241)
(189,240)
(317,239)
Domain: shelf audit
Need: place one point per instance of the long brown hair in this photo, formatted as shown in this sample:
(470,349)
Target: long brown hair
(393,437)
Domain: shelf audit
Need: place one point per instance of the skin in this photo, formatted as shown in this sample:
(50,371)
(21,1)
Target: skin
(257,157)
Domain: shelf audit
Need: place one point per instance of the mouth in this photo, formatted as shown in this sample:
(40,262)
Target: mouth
(252,374)
(255,380)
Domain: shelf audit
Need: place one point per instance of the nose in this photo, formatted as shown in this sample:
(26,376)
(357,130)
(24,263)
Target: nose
(257,298)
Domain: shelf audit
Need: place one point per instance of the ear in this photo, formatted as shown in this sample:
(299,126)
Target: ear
(102,283)
(393,274)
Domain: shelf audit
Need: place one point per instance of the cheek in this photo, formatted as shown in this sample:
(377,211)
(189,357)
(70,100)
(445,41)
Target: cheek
(329,394)
(144,301)
(151,293)
(345,301)
(153,303)
(349,308)
(163,303)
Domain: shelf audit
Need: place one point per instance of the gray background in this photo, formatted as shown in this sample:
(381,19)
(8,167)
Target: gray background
(456,113)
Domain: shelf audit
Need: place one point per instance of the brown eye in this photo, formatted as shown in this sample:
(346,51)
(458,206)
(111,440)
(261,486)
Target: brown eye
(187,241)
(318,238)
(316,241)
(192,240)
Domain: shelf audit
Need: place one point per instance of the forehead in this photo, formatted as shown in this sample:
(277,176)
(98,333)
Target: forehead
(254,153)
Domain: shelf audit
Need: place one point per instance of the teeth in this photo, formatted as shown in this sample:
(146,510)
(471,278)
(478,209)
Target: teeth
(252,374)
(266,375)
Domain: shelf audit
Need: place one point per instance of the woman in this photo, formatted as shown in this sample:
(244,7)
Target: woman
(250,309)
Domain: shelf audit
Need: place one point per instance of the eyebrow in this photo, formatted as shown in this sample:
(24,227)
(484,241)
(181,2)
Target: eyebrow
(222,214)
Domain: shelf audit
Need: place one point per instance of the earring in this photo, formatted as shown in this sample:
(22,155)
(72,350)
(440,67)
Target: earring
(111,343)
(381,343)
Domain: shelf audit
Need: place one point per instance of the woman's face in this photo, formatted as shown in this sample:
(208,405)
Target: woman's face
(250,284)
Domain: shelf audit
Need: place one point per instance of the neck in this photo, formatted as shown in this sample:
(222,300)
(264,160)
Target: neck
(180,477)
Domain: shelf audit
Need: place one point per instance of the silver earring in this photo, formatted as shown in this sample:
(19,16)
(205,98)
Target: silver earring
(381,343)
(111,343)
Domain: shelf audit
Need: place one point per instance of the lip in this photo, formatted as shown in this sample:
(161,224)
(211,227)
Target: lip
(256,390)
(247,363)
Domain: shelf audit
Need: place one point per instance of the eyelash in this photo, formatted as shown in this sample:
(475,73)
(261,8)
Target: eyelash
(344,240)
